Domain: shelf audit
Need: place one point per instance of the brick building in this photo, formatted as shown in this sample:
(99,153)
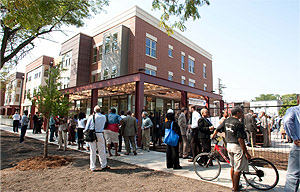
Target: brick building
(113,67)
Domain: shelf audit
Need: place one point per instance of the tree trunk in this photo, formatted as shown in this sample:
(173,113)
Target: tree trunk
(46,140)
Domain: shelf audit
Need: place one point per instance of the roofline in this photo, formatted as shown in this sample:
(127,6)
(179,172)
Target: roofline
(142,14)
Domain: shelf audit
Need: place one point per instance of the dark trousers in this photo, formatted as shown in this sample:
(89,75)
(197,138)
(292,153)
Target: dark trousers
(52,130)
(80,137)
(173,156)
(206,147)
(16,126)
(71,134)
(120,143)
(195,143)
(35,128)
(23,132)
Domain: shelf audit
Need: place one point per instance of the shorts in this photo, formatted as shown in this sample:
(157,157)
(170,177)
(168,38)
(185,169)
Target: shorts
(111,137)
(237,157)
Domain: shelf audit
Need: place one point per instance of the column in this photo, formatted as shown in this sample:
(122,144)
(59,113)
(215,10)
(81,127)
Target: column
(139,104)
(183,101)
(94,99)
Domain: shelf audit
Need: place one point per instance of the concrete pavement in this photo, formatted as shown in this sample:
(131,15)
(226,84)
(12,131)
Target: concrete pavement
(157,161)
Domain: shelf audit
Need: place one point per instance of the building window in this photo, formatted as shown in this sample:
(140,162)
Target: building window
(170,52)
(150,47)
(204,71)
(107,41)
(182,62)
(95,55)
(205,87)
(150,72)
(29,78)
(191,82)
(93,78)
(105,73)
(100,53)
(46,73)
(113,72)
(39,74)
(98,76)
(191,66)
(19,83)
(36,75)
(17,98)
(115,42)
(182,80)
(170,75)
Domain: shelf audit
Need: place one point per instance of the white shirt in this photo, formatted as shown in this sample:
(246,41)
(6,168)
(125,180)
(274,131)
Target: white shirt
(123,116)
(81,123)
(16,117)
(99,121)
(195,117)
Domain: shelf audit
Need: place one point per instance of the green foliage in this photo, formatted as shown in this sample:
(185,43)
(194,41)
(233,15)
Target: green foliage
(24,20)
(288,99)
(49,99)
(267,97)
(183,10)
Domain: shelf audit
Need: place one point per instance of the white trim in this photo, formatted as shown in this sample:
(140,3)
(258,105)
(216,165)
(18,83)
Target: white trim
(170,47)
(152,67)
(183,77)
(182,53)
(137,11)
(192,58)
(96,71)
(204,64)
(170,73)
(151,37)
(192,80)
(98,44)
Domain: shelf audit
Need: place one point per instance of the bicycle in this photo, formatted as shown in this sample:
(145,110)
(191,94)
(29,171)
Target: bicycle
(262,174)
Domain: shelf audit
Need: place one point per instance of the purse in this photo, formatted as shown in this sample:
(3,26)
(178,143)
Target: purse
(90,134)
(171,138)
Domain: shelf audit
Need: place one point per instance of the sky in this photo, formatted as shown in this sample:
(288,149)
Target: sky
(254,44)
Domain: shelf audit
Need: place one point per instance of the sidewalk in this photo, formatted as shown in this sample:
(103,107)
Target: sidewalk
(157,161)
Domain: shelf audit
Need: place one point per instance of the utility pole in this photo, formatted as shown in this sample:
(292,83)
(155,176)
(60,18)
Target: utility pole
(220,86)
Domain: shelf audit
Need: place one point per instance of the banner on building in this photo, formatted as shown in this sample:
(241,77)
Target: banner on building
(198,102)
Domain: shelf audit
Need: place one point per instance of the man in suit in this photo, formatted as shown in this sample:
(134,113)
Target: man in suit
(129,130)
(183,151)
(206,128)
(250,124)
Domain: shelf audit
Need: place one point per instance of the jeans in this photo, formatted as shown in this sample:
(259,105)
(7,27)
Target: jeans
(23,132)
(293,171)
(52,130)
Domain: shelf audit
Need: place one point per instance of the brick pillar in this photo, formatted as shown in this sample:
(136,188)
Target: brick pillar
(183,101)
(94,99)
(32,112)
(139,104)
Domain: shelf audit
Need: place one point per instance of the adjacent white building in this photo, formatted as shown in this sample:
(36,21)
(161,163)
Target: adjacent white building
(271,107)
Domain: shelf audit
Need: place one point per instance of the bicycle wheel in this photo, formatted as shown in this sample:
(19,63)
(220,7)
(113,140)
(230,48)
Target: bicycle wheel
(207,169)
(262,174)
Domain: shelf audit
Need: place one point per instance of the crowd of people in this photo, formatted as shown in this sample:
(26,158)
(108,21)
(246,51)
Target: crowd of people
(195,132)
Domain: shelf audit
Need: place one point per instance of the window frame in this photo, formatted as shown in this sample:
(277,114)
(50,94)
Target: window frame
(95,52)
(191,65)
(152,49)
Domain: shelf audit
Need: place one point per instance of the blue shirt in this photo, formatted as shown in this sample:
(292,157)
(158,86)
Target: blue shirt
(114,118)
(291,123)
(99,121)
(24,120)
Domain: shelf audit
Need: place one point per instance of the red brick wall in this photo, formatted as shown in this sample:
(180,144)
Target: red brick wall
(163,62)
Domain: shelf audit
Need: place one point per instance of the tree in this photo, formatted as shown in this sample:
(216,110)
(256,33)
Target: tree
(288,100)
(267,97)
(50,101)
(22,21)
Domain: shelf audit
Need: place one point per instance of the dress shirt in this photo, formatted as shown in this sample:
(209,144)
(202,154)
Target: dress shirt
(16,117)
(99,121)
(291,122)
(195,118)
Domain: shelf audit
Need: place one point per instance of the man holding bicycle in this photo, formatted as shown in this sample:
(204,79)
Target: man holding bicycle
(237,152)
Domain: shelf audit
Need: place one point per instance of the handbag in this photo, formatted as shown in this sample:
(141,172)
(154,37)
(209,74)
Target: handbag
(171,138)
(90,134)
